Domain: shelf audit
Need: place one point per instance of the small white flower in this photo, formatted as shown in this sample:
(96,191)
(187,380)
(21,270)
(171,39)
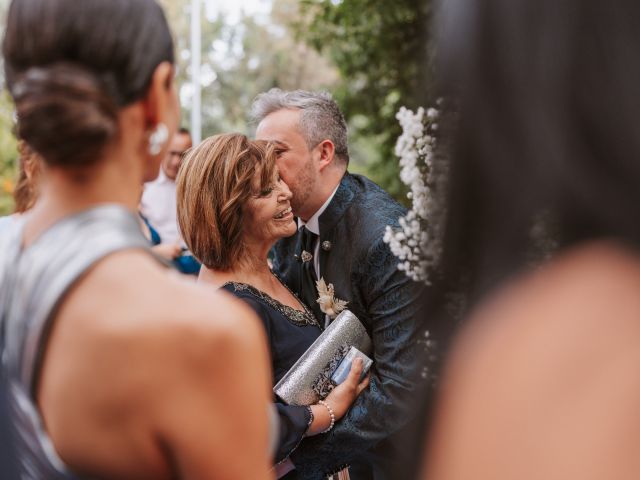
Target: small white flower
(417,242)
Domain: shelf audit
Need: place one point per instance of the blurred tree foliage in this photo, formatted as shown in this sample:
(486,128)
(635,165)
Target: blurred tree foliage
(8,154)
(8,146)
(383,53)
(241,57)
(244,56)
(371,54)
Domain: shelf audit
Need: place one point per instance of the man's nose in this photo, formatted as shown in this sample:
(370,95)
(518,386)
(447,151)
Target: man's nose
(285,191)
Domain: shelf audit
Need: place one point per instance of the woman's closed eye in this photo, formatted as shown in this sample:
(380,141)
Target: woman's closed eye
(269,190)
(280,151)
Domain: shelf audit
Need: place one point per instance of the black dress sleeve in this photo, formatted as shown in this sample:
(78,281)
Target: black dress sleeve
(294,420)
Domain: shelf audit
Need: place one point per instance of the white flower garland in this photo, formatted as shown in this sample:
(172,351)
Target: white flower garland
(417,242)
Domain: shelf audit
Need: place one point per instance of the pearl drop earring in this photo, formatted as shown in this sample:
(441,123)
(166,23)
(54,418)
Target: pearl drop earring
(158,138)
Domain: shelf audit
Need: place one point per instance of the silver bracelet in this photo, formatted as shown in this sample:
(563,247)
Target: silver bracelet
(331,414)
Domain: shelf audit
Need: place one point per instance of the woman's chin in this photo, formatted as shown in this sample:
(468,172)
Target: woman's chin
(290,229)
(284,232)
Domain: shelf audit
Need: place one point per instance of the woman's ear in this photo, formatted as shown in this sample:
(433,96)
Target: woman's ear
(161,102)
(161,114)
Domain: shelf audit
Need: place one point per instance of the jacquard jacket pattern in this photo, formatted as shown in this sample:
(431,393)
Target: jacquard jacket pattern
(363,271)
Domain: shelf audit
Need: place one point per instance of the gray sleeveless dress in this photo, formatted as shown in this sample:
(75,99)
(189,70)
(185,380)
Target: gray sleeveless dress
(33,282)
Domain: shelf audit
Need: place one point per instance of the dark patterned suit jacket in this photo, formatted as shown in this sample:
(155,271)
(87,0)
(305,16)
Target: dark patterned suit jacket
(363,271)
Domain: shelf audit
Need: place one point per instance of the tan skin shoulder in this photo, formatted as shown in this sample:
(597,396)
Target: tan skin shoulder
(543,383)
(168,367)
(577,289)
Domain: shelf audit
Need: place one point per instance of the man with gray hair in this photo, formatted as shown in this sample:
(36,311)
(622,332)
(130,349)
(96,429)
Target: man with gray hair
(341,223)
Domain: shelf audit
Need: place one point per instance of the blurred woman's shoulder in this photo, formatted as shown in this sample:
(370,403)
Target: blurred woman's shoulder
(160,300)
(545,375)
(595,285)
(587,294)
(136,342)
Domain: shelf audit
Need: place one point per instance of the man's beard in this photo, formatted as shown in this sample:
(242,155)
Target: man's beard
(302,190)
(298,199)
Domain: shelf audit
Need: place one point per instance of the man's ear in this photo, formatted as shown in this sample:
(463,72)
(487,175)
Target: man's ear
(327,153)
(160,103)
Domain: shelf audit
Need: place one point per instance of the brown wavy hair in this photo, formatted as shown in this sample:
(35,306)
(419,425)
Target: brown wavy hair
(26,191)
(215,181)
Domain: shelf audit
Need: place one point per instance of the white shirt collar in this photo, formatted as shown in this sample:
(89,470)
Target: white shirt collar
(313,225)
(162,178)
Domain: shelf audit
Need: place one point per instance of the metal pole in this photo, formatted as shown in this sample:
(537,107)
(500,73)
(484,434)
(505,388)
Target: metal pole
(196,40)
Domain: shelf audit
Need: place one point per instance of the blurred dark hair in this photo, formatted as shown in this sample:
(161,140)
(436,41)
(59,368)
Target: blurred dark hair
(71,65)
(548,97)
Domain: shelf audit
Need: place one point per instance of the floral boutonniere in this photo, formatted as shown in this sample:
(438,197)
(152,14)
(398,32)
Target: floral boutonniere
(329,304)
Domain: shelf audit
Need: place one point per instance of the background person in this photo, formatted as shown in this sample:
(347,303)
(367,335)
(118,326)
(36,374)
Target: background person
(158,202)
(176,255)
(29,172)
(158,208)
(27,187)
(116,368)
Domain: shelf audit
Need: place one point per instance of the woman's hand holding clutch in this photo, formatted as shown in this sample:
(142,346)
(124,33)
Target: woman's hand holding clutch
(335,406)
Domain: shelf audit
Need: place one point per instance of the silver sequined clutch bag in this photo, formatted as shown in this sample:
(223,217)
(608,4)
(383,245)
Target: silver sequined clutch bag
(309,380)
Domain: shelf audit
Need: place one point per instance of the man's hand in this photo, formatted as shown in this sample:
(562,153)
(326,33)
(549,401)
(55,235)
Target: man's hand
(167,250)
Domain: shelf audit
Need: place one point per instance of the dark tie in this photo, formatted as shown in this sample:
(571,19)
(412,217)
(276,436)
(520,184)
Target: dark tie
(308,276)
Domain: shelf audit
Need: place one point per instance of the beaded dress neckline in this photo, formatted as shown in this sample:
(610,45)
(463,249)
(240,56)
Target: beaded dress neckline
(295,316)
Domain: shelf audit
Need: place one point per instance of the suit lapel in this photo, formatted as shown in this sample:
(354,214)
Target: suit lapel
(328,220)
(338,205)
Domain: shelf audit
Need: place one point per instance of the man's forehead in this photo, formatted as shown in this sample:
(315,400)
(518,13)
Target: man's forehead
(280,143)
(181,139)
(279,125)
